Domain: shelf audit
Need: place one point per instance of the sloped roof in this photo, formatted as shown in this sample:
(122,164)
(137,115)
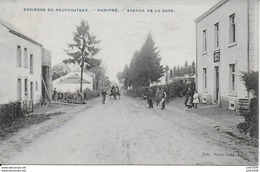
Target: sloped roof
(16,32)
(73,80)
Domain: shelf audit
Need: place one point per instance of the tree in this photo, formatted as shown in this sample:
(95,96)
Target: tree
(171,74)
(126,77)
(174,71)
(120,77)
(145,65)
(98,70)
(59,70)
(166,71)
(83,49)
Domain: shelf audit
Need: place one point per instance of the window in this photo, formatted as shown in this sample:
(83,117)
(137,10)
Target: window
(216,35)
(204,78)
(25,56)
(19,56)
(232,28)
(36,86)
(26,87)
(232,69)
(31,64)
(204,40)
(19,89)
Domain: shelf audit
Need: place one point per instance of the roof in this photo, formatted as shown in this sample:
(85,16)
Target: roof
(16,32)
(73,80)
(212,9)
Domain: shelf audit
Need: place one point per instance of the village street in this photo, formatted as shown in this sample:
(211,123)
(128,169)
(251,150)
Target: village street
(125,131)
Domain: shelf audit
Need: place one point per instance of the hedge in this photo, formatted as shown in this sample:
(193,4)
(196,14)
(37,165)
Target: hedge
(173,89)
(9,112)
(251,123)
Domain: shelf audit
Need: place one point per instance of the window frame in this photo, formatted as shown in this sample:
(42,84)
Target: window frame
(204,70)
(31,63)
(25,54)
(232,29)
(19,92)
(19,55)
(232,79)
(216,36)
(204,41)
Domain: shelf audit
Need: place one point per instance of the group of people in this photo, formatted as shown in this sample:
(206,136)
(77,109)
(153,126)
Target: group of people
(192,97)
(159,97)
(112,92)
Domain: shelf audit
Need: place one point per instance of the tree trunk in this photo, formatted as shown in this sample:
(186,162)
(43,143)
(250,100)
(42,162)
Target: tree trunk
(81,78)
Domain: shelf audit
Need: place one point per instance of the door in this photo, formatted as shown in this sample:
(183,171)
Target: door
(19,89)
(31,88)
(217,83)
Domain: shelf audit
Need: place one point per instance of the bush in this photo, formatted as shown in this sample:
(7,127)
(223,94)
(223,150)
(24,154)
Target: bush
(250,80)
(9,113)
(172,90)
(88,94)
(251,124)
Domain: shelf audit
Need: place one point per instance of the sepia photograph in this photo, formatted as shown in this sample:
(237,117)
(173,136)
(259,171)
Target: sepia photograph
(120,82)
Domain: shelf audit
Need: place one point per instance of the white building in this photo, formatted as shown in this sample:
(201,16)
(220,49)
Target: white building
(227,44)
(20,66)
(71,82)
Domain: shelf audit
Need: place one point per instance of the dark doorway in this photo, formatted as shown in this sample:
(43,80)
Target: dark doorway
(45,82)
(217,83)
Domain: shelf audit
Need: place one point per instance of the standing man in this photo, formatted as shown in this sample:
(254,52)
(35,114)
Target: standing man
(150,98)
(163,99)
(54,94)
(103,93)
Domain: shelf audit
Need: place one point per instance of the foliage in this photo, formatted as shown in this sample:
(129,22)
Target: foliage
(100,79)
(89,94)
(59,70)
(250,80)
(144,67)
(251,123)
(167,73)
(83,49)
(124,77)
(9,113)
(172,90)
(181,71)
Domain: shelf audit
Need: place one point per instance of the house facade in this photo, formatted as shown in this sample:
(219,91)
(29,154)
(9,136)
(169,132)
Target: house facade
(227,45)
(20,67)
(71,82)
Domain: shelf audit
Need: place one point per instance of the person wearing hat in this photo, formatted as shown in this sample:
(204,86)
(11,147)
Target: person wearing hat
(150,98)
(163,99)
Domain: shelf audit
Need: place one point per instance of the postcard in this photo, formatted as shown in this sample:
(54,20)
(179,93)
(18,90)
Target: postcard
(145,82)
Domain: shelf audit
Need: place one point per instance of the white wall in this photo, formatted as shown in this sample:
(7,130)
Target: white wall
(68,87)
(236,54)
(9,72)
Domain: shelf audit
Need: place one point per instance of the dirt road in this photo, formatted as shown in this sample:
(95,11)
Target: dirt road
(124,131)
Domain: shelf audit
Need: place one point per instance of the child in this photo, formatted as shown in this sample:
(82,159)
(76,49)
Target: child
(195,99)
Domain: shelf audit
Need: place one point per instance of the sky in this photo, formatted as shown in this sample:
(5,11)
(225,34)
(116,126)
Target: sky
(121,33)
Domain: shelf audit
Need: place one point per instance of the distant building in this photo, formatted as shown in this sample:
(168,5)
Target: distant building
(227,44)
(20,66)
(71,82)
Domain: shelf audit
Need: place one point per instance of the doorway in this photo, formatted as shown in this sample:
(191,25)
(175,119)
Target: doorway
(31,88)
(217,84)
